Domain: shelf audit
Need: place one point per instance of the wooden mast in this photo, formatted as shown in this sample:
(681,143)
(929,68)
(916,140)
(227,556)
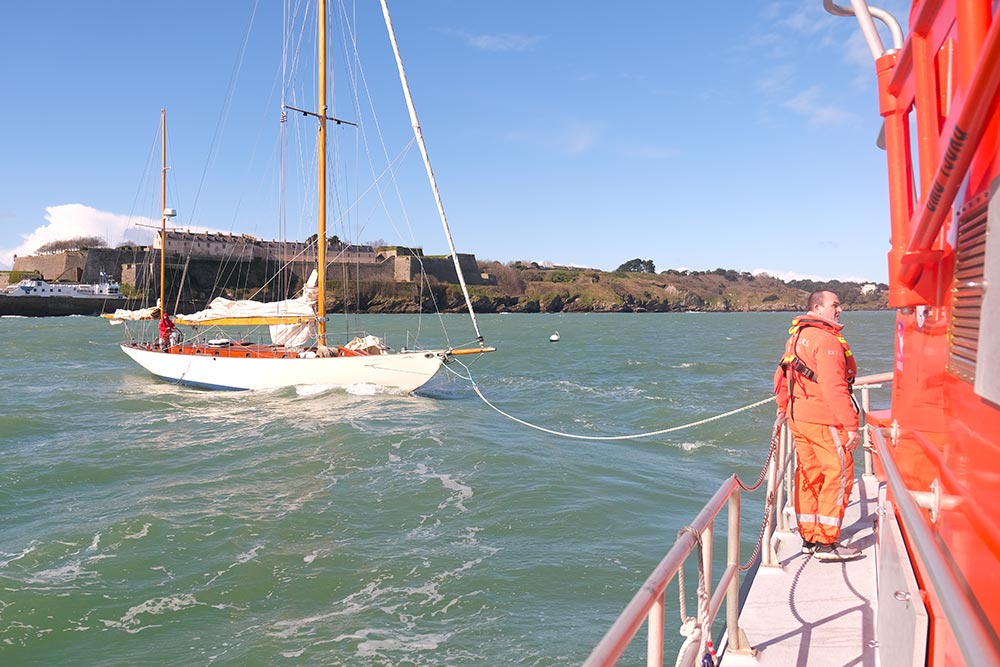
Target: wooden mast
(321,176)
(163,213)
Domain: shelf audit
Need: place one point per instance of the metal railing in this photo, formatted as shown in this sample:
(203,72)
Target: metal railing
(976,640)
(781,479)
(648,604)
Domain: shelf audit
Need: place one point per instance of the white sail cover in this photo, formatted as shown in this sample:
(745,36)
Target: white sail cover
(369,345)
(281,334)
(292,335)
(121,315)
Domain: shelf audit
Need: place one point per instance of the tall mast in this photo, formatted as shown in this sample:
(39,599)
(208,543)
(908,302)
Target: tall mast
(163,213)
(419,136)
(321,176)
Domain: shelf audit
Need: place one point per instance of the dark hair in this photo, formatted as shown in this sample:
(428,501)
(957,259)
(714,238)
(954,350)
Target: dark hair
(817,299)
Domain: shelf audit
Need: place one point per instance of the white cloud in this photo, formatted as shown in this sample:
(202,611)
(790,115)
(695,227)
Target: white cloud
(777,79)
(649,152)
(802,21)
(571,138)
(504,42)
(787,276)
(69,221)
(809,103)
(576,138)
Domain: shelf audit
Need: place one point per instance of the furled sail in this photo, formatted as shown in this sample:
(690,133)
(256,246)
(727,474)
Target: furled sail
(291,321)
(121,315)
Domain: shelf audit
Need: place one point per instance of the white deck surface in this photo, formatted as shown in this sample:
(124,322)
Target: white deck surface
(815,613)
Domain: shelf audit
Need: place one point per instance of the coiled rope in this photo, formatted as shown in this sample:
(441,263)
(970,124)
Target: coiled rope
(575,436)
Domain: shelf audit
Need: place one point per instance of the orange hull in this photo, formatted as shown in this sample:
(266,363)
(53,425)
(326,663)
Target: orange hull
(944,83)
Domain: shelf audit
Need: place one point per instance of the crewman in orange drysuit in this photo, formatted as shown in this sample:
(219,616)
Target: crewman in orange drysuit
(813,389)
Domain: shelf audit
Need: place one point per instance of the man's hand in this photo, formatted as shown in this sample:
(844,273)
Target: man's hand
(853,440)
(779,420)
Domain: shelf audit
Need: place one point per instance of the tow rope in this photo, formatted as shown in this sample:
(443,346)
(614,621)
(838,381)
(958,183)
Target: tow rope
(575,436)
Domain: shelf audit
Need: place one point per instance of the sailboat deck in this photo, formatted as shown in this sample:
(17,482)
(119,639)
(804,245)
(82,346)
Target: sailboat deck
(809,612)
(241,349)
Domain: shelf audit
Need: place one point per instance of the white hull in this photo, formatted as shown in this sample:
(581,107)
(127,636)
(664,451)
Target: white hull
(39,289)
(403,371)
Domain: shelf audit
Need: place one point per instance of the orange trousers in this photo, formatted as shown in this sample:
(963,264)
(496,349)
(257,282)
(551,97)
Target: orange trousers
(824,478)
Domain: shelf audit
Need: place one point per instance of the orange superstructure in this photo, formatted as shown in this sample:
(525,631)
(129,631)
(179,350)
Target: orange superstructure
(938,97)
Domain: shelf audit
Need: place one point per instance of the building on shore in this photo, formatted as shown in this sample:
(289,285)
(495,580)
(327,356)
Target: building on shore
(410,263)
(196,257)
(245,248)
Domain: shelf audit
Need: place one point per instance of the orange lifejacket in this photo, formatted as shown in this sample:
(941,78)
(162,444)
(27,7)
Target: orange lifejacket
(792,371)
(791,359)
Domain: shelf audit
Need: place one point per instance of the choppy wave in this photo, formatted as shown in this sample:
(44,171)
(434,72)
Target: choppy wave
(337,527)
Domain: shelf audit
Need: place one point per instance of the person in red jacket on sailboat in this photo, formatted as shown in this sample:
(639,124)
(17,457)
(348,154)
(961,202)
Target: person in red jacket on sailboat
(168,332)
(813,385)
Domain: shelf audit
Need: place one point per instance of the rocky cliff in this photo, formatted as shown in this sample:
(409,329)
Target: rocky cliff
(514,287)
(566,290)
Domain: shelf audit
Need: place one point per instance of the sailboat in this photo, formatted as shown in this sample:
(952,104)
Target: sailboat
(298,353)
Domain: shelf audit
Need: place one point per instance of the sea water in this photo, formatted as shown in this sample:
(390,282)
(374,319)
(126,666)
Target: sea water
(143,523)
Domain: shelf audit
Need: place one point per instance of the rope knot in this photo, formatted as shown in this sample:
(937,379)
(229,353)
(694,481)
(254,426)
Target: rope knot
(690,628)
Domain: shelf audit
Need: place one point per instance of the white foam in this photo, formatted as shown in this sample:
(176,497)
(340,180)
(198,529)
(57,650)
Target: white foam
(58,575)
(248,556)
(371,648)
(13,557)
(142,533)
(692,446)
(312,389)
(310,557)
(131,622)
(362,389)
(462,492)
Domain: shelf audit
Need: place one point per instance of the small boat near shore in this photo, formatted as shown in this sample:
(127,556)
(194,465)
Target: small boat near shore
(36,297)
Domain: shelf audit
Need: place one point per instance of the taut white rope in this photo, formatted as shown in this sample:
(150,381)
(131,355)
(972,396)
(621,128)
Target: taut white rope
(633,436)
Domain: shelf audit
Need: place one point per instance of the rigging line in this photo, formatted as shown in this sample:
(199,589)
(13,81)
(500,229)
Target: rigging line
(224,112)
(133,211)
(278,79)
(418,133)
(389,170)
(672,429)
(359,75)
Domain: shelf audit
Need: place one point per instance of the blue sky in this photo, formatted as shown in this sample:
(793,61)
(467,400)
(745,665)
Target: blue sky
(697,135)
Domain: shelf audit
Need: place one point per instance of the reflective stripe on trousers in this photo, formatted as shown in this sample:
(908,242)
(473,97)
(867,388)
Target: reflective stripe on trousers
(823,480)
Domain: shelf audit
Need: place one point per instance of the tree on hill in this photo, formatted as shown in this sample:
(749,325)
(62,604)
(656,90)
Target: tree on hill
(330,240)
(637,266)
(506,276)
(78,243)
(849,292)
